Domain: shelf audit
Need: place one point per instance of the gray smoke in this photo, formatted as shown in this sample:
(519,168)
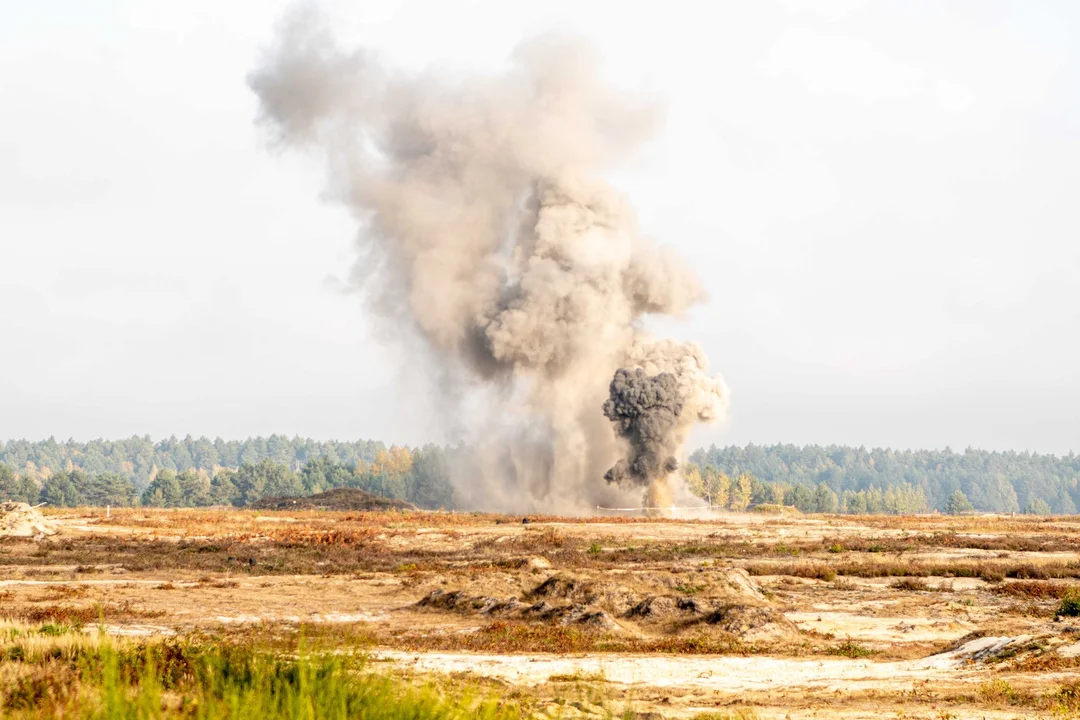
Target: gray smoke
(645,411)
(487,231)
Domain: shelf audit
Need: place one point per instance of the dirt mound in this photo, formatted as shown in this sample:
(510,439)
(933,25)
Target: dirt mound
(561,613)
(572,613)
(17,519)
(664,607)
(746,621)
(733,604)
(751,622)
(612,597)
(336,499)
(739,583)
(458,601)
(733,586)
(566,587)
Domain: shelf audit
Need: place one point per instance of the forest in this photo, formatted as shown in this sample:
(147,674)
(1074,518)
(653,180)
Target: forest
(201,472)
(901,481)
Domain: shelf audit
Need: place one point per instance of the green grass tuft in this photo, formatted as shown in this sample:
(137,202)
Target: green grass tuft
(1070,605)
(186,679)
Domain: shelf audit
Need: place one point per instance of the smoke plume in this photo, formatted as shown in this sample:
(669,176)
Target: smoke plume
(645,411)
(487,231)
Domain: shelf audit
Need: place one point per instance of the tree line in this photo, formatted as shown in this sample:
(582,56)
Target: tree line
(201,471)
(836,478)
(139,458)
(420,476)
(739,492)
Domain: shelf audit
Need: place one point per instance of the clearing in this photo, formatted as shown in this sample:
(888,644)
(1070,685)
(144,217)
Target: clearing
(743,615)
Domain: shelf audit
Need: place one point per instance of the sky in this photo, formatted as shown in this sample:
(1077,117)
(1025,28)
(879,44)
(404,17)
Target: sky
(880,199)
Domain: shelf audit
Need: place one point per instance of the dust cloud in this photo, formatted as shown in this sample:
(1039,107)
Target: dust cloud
(487,231)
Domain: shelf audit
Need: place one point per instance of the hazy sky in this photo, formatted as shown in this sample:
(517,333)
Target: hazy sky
(881,198)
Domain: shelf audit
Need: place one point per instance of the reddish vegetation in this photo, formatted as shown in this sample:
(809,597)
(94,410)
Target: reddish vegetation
(350,499)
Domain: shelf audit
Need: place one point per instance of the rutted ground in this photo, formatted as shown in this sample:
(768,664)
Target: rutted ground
(792,616)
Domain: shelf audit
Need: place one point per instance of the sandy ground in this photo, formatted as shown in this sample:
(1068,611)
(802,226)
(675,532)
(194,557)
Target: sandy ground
(728,674)
(919,654)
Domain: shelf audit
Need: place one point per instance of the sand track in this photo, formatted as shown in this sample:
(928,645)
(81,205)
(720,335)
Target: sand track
(728,674)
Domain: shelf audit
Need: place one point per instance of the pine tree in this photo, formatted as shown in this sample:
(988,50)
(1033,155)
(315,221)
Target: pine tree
(824,499)
(1038,506)
(958,503)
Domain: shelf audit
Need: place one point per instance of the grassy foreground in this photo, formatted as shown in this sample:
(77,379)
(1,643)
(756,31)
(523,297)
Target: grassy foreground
(55,671)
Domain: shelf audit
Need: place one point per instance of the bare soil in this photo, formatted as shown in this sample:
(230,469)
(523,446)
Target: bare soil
(789,616)
(17,519)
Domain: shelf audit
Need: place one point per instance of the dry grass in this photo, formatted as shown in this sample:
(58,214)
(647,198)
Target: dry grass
(1039,662)
(1031,525)
(814,571)
(77,615)
(516,637)
(62,592)
(997,692)
(296,553)
(957,541)
(911,584)
(228,522)
(733,714)
(990,571)
(408,554)
(1065,700)
(1038,589)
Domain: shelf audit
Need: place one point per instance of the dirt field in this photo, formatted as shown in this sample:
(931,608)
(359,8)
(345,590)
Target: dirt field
(742,616)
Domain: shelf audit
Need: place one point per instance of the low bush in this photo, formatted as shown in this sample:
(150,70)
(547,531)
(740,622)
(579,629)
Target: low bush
(996,692)
(1038,589)
(1070,605)
(850,649)
(914,584)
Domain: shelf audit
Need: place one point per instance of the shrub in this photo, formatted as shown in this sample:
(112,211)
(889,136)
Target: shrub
(916,584)
(1067,698)
(1039,589)
(785,549)
(1070,605)
(996,691)
(1027,571)
(850,649)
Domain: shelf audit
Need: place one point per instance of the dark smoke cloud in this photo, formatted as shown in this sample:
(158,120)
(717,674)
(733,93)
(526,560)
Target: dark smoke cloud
(645,412)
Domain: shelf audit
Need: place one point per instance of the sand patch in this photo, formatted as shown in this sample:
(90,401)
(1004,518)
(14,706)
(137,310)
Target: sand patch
(726,674)
(18,519)
(880,629)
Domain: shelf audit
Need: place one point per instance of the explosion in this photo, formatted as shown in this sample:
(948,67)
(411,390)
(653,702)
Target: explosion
(487,231)
(645,411)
